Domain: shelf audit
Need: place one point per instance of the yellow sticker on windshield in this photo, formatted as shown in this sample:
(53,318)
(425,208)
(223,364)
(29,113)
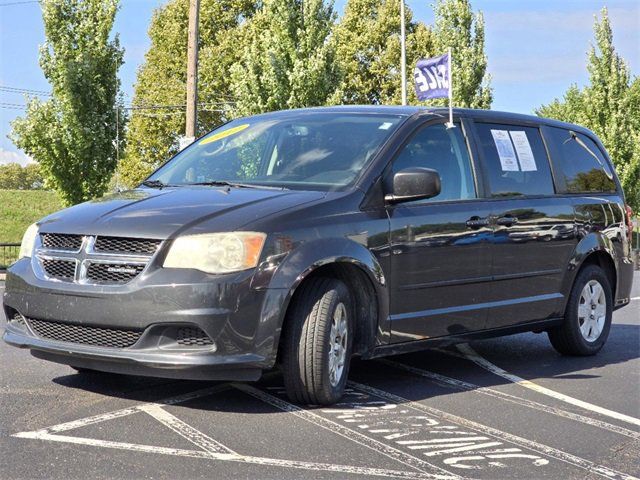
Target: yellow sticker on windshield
(221,135)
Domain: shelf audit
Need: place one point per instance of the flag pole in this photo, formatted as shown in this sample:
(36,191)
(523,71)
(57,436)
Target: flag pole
(403,55)
(450,92)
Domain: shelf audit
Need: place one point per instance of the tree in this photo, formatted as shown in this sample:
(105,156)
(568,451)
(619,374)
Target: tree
(609,105)
(458,28)
(288,60)
(13,176)
(368,48)
(158,117)
(72,135)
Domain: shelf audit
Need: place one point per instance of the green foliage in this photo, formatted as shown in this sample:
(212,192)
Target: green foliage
(153,132)
(458,27)
(287,60)
(609,105)
(367,44)
(16,177)
(72,136)
(368,50)
(20,208)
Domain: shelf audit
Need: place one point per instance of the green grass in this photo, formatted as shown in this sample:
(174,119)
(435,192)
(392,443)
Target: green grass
(20,208)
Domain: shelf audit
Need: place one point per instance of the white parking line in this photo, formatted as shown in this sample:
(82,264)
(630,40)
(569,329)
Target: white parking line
(185,430)
(466,386)
(424,467)
(471,354)
(523,442)
(83,422)
(207,445)
(273,462)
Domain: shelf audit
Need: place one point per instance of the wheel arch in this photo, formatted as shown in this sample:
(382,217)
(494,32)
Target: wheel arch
(344,260)
(594,249)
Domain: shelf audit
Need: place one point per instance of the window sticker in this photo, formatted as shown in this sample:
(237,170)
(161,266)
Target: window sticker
(221,135)
(385,126)
(506,153)
(523,149)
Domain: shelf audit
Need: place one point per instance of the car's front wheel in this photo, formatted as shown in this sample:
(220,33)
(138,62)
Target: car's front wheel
(318,342)
(588,315)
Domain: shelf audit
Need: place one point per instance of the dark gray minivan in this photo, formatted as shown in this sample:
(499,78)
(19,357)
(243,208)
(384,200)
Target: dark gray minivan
(300,238)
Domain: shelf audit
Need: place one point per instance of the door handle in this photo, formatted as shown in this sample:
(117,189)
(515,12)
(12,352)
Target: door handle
(507,221)
(477,222)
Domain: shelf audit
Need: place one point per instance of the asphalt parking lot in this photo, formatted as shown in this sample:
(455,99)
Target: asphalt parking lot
(500,408)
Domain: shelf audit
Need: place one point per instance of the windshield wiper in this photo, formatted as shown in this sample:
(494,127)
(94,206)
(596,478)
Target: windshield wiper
(154,184)
(224,183)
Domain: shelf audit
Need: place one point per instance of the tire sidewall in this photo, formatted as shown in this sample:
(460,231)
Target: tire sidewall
(342,296)
(588,274)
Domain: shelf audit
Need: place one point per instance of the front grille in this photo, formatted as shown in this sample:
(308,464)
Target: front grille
(87,259)
(136,246)
(60,269)
(192,336)
(94,336)
(60,241)
(113,272)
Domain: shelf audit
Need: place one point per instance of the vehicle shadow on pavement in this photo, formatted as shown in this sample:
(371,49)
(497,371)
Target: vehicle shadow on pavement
(529,356)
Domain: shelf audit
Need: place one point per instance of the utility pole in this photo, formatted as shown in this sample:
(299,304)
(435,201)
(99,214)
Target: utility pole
(403,54)
(192,70)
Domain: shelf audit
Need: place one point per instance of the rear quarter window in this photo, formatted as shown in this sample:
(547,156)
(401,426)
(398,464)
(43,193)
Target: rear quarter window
(515,160)
(580,164)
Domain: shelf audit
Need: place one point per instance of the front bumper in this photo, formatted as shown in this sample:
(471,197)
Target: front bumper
(226,308)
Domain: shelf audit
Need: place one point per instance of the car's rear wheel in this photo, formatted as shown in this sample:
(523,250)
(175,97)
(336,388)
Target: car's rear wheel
(588,315)
(318,341)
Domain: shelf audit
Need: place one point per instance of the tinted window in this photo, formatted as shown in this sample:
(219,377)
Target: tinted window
(516,161)
(311,150)
(444,150)
(581,163)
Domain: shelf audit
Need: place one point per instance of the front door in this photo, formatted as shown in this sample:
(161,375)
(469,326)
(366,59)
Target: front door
(439,248)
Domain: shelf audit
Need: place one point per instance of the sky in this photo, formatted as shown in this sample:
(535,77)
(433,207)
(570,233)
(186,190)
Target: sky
(536,48)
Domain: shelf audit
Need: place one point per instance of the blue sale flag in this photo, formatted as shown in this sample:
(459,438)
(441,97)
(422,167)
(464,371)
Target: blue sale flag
(432,77)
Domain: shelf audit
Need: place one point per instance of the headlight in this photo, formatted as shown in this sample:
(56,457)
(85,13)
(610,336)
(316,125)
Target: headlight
(216,252)
(28,241)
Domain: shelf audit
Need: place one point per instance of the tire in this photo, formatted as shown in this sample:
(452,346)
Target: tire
(585,328)
(321,307)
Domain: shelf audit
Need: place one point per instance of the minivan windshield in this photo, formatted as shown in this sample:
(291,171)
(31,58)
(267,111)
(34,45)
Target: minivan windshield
(310,151)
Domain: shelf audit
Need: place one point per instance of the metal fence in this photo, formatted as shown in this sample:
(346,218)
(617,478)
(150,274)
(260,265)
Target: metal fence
(8,254)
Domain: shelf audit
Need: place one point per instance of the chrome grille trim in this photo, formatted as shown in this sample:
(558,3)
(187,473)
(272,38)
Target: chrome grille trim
(126,266)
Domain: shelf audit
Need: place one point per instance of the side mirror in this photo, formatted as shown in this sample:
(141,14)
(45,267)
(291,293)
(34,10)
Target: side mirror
(414,183)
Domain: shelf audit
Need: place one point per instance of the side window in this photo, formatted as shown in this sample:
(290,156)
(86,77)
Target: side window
(515,159)
(581,163)
(444,150)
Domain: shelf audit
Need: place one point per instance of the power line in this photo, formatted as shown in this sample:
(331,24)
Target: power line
(12,106)
(18,3)
(8,89)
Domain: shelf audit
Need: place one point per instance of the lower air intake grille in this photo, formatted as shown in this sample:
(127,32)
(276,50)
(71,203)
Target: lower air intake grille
(113,272)
(60,269)
(95,336)
(193,336)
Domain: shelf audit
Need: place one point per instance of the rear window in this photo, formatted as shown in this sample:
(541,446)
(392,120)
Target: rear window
(515,159)
(580,163)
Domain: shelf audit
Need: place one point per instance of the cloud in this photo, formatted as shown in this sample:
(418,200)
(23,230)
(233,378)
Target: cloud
(7,157)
